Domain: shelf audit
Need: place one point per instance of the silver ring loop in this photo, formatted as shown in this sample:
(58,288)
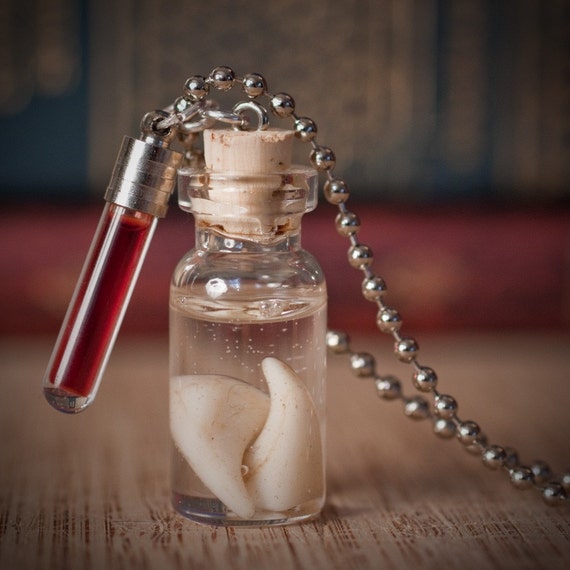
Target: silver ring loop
(222,116)
(203,121)
(261,114)
(197,126)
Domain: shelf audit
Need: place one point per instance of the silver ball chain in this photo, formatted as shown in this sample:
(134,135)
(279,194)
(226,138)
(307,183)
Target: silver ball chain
(554,488)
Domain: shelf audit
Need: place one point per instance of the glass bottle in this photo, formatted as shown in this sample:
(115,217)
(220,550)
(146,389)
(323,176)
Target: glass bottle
(247,339)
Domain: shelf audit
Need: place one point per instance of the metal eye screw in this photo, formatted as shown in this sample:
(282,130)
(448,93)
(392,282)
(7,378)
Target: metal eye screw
(244,108)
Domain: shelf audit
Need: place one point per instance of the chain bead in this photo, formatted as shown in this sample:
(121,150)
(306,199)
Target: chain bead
(541,471)
(362,364)
(553,493)
(406,349)
(337,341)
(478,446)
(425,379)
(565,480)
(282,105)
(254,85)
(467,432)
(373,288)
(196,88)
(322,158)
(347,223)
(388,320)
(223,78)
(416,408)
(360,256)
(444,428)
(336,191)
(521,477)
(305,129)
(494,457)
(388,387)
(181,104)
(445,406)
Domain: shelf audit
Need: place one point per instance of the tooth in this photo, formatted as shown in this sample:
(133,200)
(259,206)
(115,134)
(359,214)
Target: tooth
(286,460)
(213,419)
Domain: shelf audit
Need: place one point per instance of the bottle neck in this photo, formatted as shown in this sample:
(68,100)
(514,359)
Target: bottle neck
(215,240)
(258,211)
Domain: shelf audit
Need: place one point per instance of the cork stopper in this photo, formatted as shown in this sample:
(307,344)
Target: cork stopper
(248,151)
(249,188)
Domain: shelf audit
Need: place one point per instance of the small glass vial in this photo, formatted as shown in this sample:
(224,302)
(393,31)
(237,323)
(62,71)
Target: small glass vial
(247,339)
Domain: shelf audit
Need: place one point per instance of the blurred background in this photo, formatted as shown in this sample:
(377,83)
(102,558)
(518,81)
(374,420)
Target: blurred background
(450,120)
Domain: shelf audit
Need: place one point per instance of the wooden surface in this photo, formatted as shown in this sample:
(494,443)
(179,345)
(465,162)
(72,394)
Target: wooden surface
(91,491)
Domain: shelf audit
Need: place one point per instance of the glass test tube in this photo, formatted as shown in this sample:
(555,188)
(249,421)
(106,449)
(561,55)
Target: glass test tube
(138,193)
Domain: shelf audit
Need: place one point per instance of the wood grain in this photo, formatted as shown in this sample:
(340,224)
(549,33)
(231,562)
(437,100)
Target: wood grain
(91,491)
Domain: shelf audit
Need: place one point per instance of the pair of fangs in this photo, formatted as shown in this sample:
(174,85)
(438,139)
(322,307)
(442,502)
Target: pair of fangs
(254,452)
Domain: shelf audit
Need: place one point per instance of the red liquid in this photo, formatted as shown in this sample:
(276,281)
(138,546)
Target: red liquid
(91,323)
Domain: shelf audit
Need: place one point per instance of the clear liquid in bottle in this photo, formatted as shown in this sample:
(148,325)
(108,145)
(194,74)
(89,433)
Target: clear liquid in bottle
(233,345)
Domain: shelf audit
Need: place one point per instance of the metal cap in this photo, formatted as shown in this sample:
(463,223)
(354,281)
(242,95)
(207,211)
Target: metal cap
(144,177)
